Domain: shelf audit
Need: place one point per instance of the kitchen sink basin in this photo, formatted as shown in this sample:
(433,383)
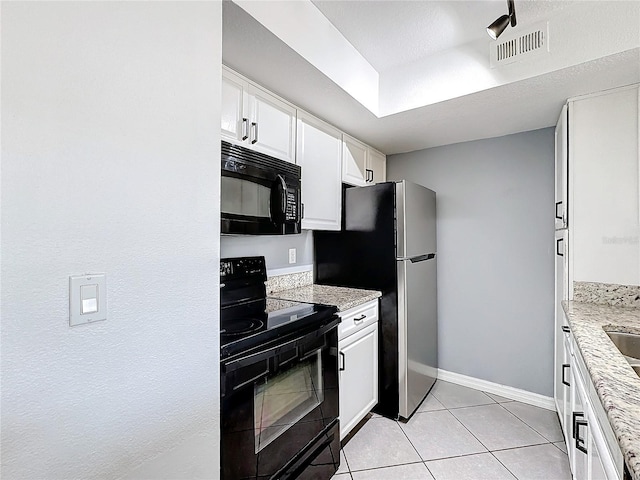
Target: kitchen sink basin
(628,344)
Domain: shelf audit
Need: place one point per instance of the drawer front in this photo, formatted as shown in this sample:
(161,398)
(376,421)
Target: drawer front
(357,318)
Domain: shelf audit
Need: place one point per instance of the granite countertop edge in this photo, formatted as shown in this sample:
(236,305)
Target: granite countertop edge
(344,298)
(617,385)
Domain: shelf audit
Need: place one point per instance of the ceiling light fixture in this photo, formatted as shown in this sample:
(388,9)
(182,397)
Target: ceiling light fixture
(496,28)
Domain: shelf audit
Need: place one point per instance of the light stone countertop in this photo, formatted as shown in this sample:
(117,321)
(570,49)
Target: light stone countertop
(342,297)
(617,385)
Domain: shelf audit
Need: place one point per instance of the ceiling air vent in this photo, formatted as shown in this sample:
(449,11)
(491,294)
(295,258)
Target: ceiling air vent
(514,48)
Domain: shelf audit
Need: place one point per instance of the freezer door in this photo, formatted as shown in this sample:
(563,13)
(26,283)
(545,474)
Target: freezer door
(416,222)
(417,331)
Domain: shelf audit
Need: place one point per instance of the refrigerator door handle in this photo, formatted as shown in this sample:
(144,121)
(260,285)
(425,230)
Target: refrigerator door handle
(422,258)
(419,258)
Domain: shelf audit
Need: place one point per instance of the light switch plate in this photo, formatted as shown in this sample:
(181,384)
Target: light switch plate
(88,290)
(292,255)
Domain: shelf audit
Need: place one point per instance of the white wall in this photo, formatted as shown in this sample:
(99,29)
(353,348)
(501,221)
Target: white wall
(110,121)
(495,254)
(275,249)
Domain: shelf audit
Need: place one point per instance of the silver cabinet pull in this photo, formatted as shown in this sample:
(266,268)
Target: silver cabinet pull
(245,128)
(254,127)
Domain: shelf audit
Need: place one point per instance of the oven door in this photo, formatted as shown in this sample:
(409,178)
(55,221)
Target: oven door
(280,409)
(258,196)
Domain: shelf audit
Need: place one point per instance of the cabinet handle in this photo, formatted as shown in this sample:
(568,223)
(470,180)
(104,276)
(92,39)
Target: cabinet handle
(254,127)
(575,416)
(559,217)
(359,319)
(565,329)
(344,361)
(558,246)
(580,442)
(367,178)
(245,128)
(564,381)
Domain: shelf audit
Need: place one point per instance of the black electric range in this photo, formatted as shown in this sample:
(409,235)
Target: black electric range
(279,380)
(258,323)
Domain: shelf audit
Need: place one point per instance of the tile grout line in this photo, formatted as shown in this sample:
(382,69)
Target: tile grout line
(509,448)
(449,411)
(530,426)
(507,468)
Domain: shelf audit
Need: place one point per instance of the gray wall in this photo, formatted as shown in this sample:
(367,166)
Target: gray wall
(274,248)
(110,135)
(495,254)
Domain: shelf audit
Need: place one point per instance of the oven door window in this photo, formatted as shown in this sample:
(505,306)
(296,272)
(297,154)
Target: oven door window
(282,400)
(239,196)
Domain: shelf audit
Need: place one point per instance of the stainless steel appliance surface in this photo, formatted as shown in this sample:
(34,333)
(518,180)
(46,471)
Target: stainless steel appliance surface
(279,381)
(259,194)
(388,243)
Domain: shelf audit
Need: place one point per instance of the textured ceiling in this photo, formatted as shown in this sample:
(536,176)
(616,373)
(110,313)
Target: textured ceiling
(523,105)
(392,33)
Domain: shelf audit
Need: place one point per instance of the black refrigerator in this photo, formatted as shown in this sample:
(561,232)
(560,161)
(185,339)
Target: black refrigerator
(388,243)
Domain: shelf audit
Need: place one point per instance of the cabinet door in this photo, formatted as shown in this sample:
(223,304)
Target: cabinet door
(377,169)
(596,468)
(319,153)
(566,396)
(358,377)
(604,164)
(234,116)
(562,160)
(273,125)
(354,161)
(579,431)
(562,368)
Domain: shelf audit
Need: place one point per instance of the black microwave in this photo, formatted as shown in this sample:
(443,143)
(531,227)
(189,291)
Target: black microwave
(259,194)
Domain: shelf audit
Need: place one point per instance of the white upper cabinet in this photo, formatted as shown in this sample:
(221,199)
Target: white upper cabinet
(361,164)
(604,198)
(256,119)
(319,153)
(273,125)
(234,108)
(562,160)
(354,161)
(377,167)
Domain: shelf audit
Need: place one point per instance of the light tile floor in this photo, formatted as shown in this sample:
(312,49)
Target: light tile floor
(459,433)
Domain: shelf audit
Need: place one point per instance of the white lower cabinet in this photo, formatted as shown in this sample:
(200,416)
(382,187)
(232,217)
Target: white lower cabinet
(593,451)
(358,364)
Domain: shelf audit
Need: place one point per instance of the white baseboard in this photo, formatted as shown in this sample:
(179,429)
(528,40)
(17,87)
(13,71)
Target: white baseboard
(523,396)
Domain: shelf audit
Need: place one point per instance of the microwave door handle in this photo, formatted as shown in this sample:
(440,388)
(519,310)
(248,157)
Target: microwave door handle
(283,206)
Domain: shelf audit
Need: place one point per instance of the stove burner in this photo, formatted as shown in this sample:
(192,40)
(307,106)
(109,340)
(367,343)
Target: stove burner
(242,327)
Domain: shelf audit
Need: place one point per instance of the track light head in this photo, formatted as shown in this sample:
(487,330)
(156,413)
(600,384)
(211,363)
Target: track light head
(497,27)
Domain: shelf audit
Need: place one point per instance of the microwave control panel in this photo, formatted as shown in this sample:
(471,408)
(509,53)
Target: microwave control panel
(291,214)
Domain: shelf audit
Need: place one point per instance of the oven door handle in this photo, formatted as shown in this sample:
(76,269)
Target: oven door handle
(278,349)
(251,380)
